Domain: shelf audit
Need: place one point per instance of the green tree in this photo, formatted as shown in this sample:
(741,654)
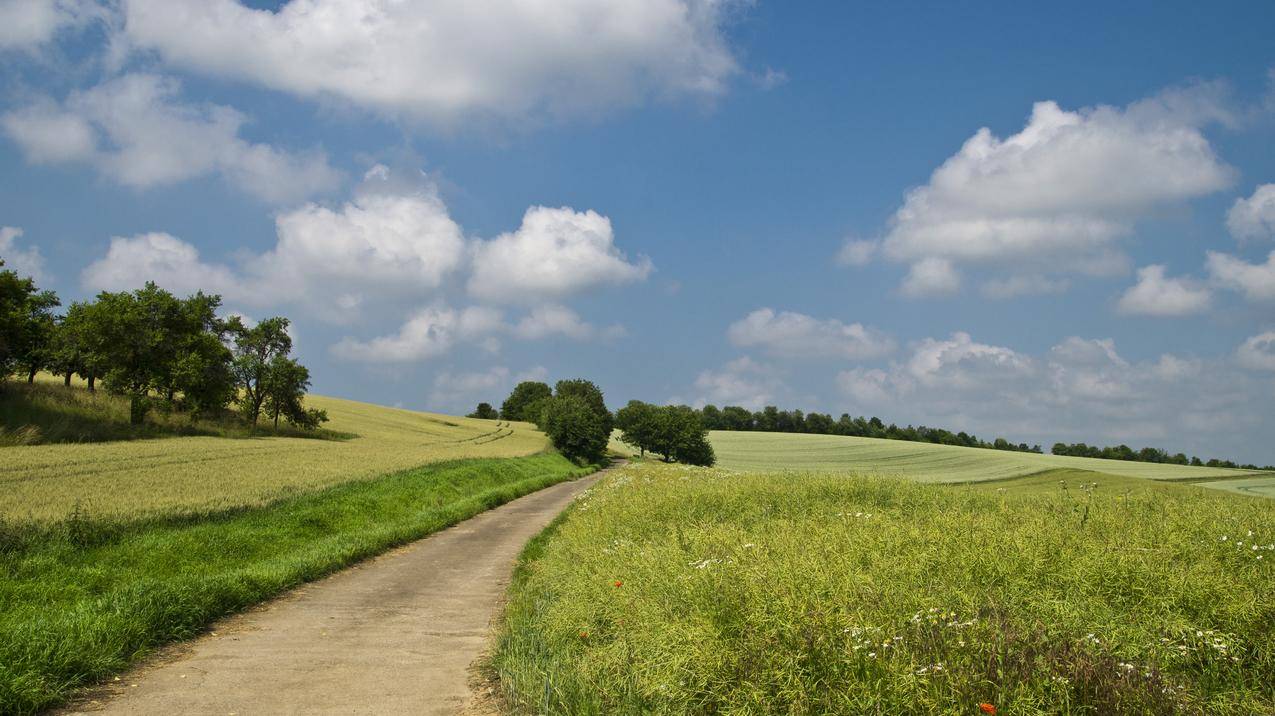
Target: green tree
(638,423)
(519,403)
(591,394)
(256,349)
(136,337)
(285,386)
(27,325)
(484,411)
(576,430)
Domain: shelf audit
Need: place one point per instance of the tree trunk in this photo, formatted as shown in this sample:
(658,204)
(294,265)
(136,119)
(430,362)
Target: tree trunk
(66,379)
(276,420)
(31,376)
(92,380)
(137,409)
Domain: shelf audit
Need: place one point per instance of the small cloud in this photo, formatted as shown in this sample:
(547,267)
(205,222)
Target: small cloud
(858,252)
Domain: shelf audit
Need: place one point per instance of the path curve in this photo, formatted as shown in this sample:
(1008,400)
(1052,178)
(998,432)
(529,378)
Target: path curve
(395,634)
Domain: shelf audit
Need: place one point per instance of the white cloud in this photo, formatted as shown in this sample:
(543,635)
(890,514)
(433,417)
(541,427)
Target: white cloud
(1058,195)
(380,247)
(446,62)
(24,262)
(742,381)
(1158,295)
(931,277)
(135,130)
(430,332)
(1256,281)
(1254,217)
(1079,390)
(858,252)
(168,261)
(544,321)
(1258,352)
(462,391)
(27,24)
(796,335)
(554,253)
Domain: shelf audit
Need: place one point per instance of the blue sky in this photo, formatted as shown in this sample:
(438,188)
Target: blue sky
(784,203)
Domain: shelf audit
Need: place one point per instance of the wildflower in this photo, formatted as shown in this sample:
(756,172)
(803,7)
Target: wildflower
(618,583)
(987,708)
(584,635)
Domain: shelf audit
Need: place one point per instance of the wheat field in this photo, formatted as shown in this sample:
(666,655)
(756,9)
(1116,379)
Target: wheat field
(927,462)
(146,478)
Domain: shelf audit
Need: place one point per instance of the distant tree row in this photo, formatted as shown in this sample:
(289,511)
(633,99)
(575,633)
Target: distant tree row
(772,419)
(1146,454)
(155,348)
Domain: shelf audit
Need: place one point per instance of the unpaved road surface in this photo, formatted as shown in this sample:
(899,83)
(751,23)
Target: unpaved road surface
(393,635)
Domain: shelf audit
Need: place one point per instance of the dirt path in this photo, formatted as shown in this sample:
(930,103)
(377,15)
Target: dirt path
(393,635)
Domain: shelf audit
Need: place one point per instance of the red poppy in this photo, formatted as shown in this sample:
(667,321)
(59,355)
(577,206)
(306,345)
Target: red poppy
(987,708)
(618,583)
(584,635)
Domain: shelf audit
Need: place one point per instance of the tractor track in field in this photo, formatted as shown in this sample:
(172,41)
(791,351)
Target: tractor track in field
(395,634)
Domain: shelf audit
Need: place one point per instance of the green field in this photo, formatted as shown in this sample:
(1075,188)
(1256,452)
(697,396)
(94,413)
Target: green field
(670,589)
(926,462)
(144,478)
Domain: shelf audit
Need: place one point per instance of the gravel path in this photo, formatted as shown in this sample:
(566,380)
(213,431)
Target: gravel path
(393,635)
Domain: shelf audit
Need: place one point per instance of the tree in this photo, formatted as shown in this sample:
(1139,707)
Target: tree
(27,325)
(285,386)
(591,394)
(256,349)
(517,405)
(574,427)
(136,338)
(637,423)
(484,412)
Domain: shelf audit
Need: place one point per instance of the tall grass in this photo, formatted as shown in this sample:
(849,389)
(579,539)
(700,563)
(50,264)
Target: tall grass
(82,598)
(681,590)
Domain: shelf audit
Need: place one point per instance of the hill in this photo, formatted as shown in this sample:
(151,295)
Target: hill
(928,462)
(190,474)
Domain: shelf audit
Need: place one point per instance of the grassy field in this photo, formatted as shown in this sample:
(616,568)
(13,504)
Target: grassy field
(927,462)
(670,589)
(137,479)
(80,601)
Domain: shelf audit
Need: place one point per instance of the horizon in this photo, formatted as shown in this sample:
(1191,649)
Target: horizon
(960,218)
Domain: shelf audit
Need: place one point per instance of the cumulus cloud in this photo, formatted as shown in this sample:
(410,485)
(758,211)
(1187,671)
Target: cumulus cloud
(796,335)
(1058,195)
(135,130)
(443,62)
(1258,352)
(742,381)
(553,254)
(1079,390)
(428,333)
(1158,295)
(1254,217)
(931,277)
(1255,281)
(1030,285)
(28,24)
(389,243)
(461,391)
(24,262)
(544,321)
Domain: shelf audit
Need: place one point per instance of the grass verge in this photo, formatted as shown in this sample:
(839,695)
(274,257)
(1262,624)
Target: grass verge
(80,600)
(681,590)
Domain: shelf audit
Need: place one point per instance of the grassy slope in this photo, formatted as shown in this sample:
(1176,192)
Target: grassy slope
(146,478)
(748,593)
(924,461)
(79,601)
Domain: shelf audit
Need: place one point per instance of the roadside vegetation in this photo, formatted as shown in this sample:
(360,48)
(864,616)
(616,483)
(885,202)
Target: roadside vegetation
(82,598)
(673,589)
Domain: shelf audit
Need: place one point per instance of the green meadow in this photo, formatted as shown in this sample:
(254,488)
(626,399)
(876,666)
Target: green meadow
(671,589)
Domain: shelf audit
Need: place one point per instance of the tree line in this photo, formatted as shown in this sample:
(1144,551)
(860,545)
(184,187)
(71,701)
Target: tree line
(773,420)
(1146,454)
(157,350)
